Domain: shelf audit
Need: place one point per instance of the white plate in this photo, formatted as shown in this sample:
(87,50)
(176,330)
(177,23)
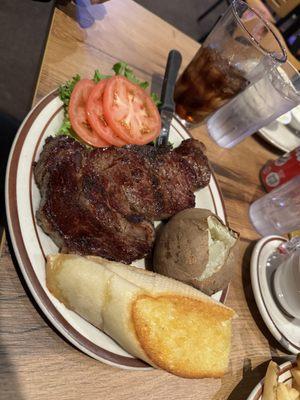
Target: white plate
(285,329)
(284,376)
(31,244)
(280,136)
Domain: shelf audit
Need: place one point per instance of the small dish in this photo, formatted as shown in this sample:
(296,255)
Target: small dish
(284,376)
(295,117)
(280,136)
(264,262)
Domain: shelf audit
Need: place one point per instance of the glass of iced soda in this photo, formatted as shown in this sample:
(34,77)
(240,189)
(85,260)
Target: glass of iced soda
(236,53)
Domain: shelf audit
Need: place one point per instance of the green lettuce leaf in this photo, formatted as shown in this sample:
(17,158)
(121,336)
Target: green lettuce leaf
(98,76)
(121,68)
(66,90)
(155,99)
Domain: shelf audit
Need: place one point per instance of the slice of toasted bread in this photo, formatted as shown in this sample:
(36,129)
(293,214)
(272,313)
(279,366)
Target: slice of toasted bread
(153,282)
(188,337)
(82,292)
(164,322)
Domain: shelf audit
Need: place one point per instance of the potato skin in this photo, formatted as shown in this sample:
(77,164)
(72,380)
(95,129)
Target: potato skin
(181,251)
(219,280)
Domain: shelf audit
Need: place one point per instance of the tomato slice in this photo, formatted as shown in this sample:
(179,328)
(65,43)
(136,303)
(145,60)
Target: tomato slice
(130,111)
(94,110)
(78,117)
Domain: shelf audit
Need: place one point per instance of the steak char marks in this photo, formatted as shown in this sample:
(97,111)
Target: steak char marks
(103,201)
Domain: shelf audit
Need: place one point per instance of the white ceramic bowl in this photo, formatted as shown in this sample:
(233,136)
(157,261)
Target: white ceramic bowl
(295,121)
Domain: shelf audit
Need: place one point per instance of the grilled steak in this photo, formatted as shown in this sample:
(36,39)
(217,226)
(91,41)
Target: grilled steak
(102,201)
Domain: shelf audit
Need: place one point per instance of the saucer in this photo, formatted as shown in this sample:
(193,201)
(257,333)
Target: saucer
(264,262)
(280,136)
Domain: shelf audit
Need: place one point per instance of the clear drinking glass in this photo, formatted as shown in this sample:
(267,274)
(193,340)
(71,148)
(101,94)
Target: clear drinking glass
(277,212)
(277,92)
(234,55)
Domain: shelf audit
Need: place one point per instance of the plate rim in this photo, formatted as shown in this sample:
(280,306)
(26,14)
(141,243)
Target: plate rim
(258,389)
(278,335)
(41,298)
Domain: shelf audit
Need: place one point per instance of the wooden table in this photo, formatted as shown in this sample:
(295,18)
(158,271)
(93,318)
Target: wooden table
(35,362)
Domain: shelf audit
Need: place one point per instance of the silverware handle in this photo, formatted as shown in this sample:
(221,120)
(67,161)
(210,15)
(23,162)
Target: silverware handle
(167,92)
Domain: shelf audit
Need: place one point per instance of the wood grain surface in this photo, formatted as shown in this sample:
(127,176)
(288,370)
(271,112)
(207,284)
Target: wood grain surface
(35,361)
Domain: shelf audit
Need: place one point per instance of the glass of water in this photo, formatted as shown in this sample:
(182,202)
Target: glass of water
(277,92)
(278,212)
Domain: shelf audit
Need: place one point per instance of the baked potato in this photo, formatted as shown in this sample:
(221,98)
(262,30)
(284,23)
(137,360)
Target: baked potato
(195,247)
